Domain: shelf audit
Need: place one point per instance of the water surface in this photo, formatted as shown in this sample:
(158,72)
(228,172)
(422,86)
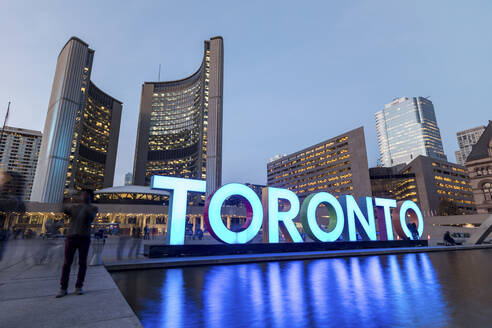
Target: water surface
(440,289)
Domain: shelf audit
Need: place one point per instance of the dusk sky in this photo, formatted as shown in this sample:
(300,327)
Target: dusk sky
(296,73)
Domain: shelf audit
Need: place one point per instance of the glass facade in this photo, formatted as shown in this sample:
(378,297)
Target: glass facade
(180,125)
(407,128)
(90,143)
(387,182)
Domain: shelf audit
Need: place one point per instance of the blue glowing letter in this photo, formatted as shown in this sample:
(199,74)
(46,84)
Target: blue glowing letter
(386,204)
(365,227)
(409,205)
(308,217)
(176,218)
(213,219)
(273,216)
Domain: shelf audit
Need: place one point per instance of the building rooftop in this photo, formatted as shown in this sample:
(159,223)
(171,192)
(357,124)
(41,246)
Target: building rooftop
(478,128)
(481,148)
(22,131)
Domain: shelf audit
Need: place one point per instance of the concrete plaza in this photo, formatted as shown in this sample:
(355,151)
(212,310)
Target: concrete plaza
(29,280)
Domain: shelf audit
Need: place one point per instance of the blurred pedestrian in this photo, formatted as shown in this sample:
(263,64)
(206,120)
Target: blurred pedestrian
(199,234)
(122,239)
(11,201)
(136,242)
(448,239)
(146,233)
(78,238)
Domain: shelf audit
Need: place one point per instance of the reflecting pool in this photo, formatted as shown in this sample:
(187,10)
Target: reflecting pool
(410,290)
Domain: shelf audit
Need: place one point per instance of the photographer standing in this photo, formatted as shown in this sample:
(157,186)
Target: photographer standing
(78,238)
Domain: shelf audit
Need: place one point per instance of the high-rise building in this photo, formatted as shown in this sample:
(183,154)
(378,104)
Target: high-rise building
(180,124)
(479,166)
(128,178)
(81,131)
(466,140)
(19,150)
(407,128)
(337,165)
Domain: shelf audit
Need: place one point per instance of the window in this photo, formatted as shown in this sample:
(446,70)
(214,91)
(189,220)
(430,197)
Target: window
(487,191)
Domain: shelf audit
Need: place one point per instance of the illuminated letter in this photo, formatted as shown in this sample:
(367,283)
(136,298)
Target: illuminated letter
(176,217)
(213,219)
(365,227)
(400,222)
(386,204)
(273,216)
(308,217)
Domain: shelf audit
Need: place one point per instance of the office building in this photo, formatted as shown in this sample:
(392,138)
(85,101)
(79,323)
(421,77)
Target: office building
(128,178)
(19,150)
(80,137)
(407,128)
(430,182)
(392,183)
(180,124)
(479,166)
(466,140)
(337,165)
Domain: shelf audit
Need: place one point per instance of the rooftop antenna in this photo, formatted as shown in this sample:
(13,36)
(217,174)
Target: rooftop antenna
(159,75)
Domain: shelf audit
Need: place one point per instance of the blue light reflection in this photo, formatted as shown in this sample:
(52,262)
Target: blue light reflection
(375,291)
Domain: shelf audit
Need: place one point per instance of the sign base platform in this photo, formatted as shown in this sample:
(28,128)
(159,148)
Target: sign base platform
(160,251)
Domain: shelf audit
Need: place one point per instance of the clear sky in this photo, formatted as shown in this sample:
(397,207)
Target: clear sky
(296,72)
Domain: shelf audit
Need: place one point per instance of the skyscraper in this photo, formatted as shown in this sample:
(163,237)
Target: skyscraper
(81,130)
(180,124)
(19,150)
(407,128)
(466,140)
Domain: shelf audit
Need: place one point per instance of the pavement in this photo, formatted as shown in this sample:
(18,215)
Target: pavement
(29,280)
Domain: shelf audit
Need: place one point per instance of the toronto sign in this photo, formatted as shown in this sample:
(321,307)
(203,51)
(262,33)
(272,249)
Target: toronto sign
(348,217)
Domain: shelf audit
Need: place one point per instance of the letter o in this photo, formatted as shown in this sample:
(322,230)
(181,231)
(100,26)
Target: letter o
(213,219)
(400,222)
(308,217)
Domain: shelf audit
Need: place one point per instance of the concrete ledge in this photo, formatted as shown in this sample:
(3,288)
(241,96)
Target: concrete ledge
(174,262)
(166,251)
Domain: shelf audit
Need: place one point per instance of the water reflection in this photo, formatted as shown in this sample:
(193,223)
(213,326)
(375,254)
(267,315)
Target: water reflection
(376,291)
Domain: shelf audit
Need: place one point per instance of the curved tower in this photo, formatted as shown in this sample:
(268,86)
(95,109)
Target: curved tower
(180,124)
(80,137)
